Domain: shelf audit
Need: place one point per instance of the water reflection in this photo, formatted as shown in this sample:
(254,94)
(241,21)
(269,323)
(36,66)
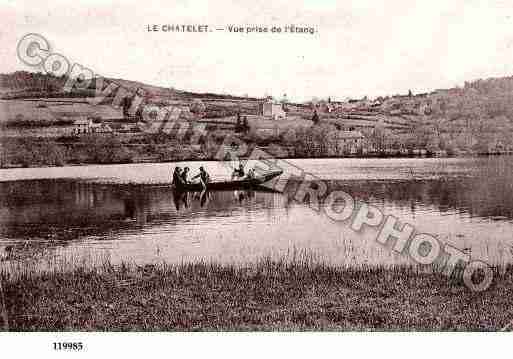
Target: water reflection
(152,223)
(67,209)
(474,197)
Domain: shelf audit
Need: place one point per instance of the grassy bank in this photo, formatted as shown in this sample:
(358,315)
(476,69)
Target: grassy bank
(271,295)
(43,152)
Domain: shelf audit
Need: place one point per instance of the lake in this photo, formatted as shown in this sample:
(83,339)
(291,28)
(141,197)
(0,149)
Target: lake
(127,213)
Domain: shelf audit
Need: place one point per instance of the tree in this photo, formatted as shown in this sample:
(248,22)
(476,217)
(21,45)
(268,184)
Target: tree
(125,104)
(315,117)
(238,125)
(245,124)
(378,137)
(198,107)
(289,137)
(451,147)
(433,144)
(422,134)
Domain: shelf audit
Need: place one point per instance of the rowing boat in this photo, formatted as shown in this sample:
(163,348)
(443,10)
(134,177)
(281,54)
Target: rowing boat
(232,184)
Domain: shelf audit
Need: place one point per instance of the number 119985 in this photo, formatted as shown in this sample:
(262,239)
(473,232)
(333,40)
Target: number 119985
(73,346)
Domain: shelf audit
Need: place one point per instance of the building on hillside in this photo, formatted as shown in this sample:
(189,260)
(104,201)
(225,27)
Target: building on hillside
(344,106)
(87,126)
(82,126)
(349,142)
(101,128)
(324,107)
(273,110)
(425,108)
(126,127)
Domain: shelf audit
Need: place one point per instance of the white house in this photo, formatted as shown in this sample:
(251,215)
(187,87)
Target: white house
(271,109)
(82,126)
(350,141)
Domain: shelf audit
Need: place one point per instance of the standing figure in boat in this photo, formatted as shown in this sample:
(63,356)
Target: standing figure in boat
(177,177)
(203,177)
(238,172)
(184,175)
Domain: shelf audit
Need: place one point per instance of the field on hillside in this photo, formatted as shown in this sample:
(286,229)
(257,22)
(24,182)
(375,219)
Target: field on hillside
(47,110)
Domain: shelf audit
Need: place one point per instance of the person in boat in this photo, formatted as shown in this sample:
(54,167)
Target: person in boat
(203,176)
(177,176)
(238,172)
(251,174)
(184,175)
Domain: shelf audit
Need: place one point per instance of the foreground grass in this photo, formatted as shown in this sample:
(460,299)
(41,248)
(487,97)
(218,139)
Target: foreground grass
(271,295)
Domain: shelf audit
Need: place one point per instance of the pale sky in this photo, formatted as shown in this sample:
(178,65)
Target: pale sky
(361,48)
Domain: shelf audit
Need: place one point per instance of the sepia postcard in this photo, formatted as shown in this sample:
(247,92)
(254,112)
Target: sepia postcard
(249,166)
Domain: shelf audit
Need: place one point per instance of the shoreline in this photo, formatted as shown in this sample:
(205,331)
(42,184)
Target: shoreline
(384,157)
(267,296)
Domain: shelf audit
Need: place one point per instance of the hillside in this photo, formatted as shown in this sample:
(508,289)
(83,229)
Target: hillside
(474,118)
(36,99)
(477,117)
(24,84)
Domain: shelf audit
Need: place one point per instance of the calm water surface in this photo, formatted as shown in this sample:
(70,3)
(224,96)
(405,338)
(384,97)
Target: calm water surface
(125,212)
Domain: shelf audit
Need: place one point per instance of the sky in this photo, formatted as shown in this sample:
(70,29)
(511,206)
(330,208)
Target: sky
(360,48)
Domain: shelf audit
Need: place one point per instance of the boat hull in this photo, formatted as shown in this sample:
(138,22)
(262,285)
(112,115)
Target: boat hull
(231,185)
